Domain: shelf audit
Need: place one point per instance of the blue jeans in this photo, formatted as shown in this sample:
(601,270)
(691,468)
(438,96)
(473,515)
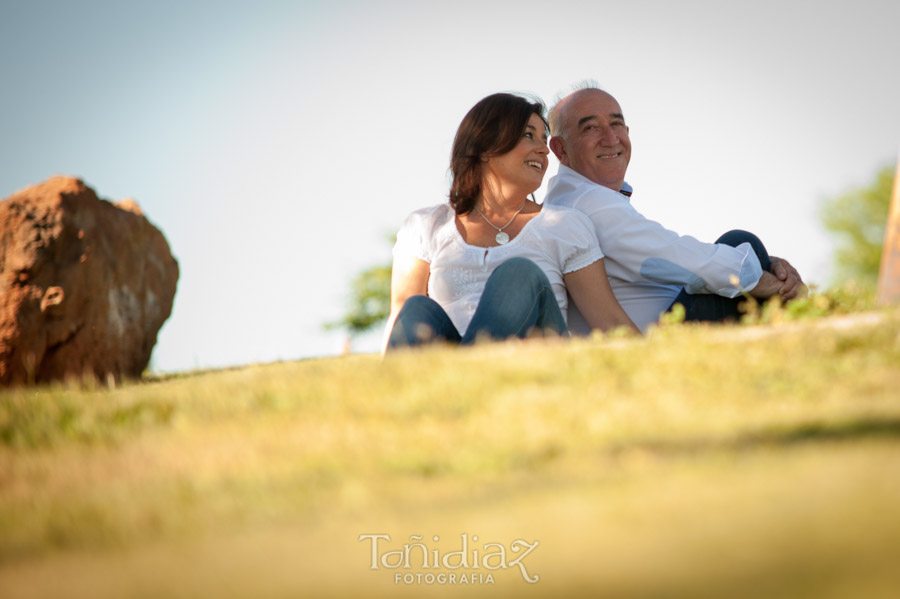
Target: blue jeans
(517,300)
(716,308)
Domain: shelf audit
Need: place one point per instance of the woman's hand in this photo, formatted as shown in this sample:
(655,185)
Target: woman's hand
(590,290)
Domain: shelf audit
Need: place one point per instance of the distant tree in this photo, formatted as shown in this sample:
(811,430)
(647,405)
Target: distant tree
(370,301)
(858,218)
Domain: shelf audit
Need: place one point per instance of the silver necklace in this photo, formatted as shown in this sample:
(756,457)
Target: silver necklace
(501,237)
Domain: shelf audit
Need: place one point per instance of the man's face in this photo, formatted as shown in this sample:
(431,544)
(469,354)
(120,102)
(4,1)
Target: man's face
(595,141)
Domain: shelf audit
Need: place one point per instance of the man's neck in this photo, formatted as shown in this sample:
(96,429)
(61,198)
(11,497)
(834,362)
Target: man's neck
(622,187)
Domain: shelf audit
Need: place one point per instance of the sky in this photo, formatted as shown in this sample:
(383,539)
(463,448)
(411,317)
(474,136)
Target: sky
(278,145)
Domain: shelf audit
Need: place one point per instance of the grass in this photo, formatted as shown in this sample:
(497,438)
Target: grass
(753,461)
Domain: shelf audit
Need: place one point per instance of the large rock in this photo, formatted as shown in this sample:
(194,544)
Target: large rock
(85,285)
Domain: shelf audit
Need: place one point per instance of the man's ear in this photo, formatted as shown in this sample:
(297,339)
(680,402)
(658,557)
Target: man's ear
(558,147)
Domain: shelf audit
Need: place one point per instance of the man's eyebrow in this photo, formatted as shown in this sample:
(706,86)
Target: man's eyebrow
(614,115)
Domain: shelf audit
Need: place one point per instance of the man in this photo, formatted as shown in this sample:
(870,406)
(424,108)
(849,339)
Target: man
(649,266)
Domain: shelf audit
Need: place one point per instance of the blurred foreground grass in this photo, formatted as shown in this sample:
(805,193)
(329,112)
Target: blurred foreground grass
(754,461)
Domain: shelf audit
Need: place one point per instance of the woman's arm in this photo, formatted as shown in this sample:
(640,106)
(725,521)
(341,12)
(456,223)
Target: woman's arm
(591,292)
(409,277)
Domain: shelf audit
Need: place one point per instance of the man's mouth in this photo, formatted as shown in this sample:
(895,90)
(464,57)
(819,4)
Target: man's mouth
(607,156)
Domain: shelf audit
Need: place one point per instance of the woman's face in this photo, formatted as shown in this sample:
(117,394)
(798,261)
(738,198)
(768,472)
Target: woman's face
(523,166)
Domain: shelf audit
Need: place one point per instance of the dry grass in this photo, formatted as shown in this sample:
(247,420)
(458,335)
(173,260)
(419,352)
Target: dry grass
(700,461)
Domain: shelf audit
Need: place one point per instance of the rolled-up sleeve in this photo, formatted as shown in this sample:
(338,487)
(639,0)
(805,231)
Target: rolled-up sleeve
(645,250)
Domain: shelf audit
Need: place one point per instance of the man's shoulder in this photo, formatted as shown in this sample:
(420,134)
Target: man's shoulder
(561,215)
(558,209)
(568,188)
(592,201)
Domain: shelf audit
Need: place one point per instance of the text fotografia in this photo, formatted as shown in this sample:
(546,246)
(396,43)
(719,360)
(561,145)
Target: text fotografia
(477,560)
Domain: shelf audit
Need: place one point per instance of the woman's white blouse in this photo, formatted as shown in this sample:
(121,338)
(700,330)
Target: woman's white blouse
(559,240)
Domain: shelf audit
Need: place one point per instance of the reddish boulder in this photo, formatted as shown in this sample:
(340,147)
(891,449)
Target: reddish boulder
(85,285)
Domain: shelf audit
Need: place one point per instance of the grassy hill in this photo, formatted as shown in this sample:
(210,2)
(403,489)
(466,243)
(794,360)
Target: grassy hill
(753,461)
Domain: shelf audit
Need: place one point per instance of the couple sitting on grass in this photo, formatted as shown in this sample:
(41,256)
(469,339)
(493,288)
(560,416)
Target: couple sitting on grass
(492,263)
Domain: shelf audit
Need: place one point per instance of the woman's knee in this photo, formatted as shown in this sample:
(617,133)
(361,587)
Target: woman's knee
(418,302)
(518,270)
(421,320)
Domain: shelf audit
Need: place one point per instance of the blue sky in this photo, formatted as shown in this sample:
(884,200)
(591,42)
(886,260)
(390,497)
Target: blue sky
(277,144)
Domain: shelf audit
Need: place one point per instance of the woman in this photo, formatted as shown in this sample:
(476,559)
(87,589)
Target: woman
(491,262)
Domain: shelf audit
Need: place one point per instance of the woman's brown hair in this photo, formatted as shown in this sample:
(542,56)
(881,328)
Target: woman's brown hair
(492,127)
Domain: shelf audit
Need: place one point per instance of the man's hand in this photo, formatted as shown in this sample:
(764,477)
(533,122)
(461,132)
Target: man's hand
(792,285)
(768,286)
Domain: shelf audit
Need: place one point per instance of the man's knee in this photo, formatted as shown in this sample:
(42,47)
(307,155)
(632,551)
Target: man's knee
(736,237)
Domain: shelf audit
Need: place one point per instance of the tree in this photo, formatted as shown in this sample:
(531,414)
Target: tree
(858,218)
(370,301)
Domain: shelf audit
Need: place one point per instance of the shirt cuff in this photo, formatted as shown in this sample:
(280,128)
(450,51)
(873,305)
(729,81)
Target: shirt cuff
(749,275)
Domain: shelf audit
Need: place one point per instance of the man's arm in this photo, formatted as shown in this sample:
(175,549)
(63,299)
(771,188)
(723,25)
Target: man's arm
(642,250)
(590,290)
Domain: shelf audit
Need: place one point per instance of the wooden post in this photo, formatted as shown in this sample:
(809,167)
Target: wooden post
(889,273)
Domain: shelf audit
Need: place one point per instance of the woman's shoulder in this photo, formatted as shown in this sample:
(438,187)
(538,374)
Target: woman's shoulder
(430,215)
(429,226)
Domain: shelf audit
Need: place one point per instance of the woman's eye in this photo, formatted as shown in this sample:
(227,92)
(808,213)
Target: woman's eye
(529,135)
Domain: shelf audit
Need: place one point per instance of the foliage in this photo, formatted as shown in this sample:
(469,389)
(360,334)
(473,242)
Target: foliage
(858,218)
(371,300)
(844,299)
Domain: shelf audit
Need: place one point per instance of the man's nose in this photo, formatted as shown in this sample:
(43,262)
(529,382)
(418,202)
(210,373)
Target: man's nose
(608,136)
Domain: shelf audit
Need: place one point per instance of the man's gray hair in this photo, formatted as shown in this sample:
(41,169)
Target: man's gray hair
(554,117)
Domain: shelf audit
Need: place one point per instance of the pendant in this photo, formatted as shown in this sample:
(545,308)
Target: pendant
(501,238)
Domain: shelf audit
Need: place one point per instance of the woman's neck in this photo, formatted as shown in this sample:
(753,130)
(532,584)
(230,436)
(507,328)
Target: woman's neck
(500,206)
(494,201)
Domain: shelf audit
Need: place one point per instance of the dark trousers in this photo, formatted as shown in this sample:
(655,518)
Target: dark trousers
(517,301)
(716,308)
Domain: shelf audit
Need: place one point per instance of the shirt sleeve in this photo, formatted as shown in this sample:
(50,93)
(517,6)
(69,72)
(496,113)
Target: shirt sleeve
(648,251)
(574,238)
(413,240)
